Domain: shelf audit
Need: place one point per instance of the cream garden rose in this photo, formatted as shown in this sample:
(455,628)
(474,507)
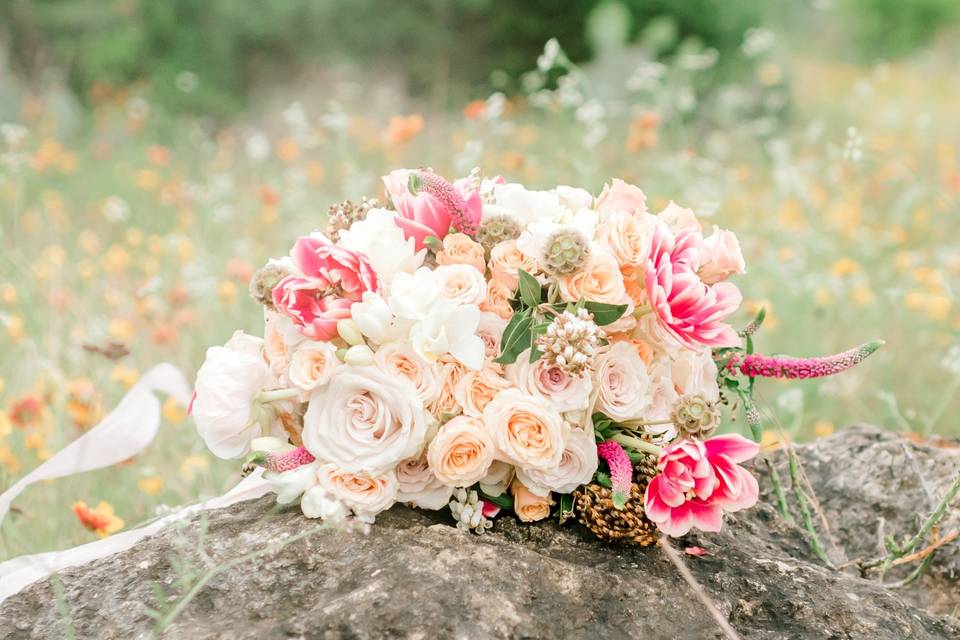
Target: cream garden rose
(461,453)
(364,494)
(365,420)
(577,465)
(402,360)
(420,486)
(506,260)
(565,392)
(627,238)
(461,283)
(526,429)
(459,248)
(722,256)
(498,299)
(621,382)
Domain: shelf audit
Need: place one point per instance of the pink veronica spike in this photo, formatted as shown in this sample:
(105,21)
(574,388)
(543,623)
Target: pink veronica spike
(756,365)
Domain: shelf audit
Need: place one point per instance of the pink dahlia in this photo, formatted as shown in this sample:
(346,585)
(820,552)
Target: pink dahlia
(333,279)
(699,481)
(688,308)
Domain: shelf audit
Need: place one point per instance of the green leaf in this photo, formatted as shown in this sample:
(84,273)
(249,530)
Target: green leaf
(603,313)
(504,500)
(535,354)
(566,507)
(515,339)
(603,479)
(530,289)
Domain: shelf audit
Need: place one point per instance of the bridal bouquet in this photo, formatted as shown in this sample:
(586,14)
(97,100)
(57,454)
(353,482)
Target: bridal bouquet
(480,346)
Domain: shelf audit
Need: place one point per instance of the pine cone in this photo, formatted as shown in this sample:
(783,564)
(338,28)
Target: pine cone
(594,508)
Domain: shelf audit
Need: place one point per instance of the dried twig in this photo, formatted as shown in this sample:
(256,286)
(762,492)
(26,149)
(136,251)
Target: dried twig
(697,589)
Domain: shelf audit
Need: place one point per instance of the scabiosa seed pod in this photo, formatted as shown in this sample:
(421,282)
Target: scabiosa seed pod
(570,341)
(264,280)
(496,228)
(621,471)
(565,252)
(694,416)
(756,365)
(277,461)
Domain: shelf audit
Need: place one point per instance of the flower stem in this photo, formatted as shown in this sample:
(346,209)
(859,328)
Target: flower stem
(637,444)
(633,424)
(277,394)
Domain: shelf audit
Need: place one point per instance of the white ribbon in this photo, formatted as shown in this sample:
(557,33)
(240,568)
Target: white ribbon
(123,433)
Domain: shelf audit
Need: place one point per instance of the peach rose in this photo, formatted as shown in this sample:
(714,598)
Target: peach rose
(461,283)
(477,388)
(577,465)
(311,365)
(459,248)
(678,217)
(528,506)
(280,338)
(498,299)
(505,262)
(622,383)
(722,257)
(364,494)
(599,280)
(402,360)
(449,374)
(461,453)
(526,429)
(627,238)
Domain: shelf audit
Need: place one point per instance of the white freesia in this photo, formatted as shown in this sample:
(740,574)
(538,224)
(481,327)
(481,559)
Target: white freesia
(380,239)
(377,321)
(226,388)
(573,198)
(419,486)
(363,493)
(312,364)
(526,205)
(450,328)
(365,419)
(622,383)
(414,295)
(400,358)
(290,485)
(564,391)
(317,502)
(461,283)
(577,465)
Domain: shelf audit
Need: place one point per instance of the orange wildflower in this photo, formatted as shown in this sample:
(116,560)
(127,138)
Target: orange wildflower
(101,520)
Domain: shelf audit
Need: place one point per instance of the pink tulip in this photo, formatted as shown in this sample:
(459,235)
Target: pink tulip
(435,208)
(689,309)
(700,481)
(333,279)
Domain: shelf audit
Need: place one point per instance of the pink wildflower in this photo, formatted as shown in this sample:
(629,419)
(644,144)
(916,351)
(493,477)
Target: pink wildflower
(756,365)
(279,462)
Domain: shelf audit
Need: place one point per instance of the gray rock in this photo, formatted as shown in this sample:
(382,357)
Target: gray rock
(413,575)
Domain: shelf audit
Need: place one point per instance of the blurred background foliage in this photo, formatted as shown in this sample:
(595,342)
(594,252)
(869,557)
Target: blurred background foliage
(207,57)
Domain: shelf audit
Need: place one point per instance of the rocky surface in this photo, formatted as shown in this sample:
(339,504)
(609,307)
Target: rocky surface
(413,575)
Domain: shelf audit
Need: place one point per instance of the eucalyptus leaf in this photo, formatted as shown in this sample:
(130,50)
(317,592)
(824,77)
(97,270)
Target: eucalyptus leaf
(603,313)
(530,289)
(504,500)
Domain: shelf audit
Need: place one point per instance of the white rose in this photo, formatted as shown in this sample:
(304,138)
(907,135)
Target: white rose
(365,419)
(573,198)
(526,429)
(401,359)
(695,372)
(461,453)
(380,239)
(312,364)
(498,478)
(526,205)
(227,384)
(281,337)
(419,485)
(377,321)
(663,395)
(290,485)
(622,383)
(565,392)
(461,283)
(364,494)
(318,503)
(577,465)
(722,256)
(450,328)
